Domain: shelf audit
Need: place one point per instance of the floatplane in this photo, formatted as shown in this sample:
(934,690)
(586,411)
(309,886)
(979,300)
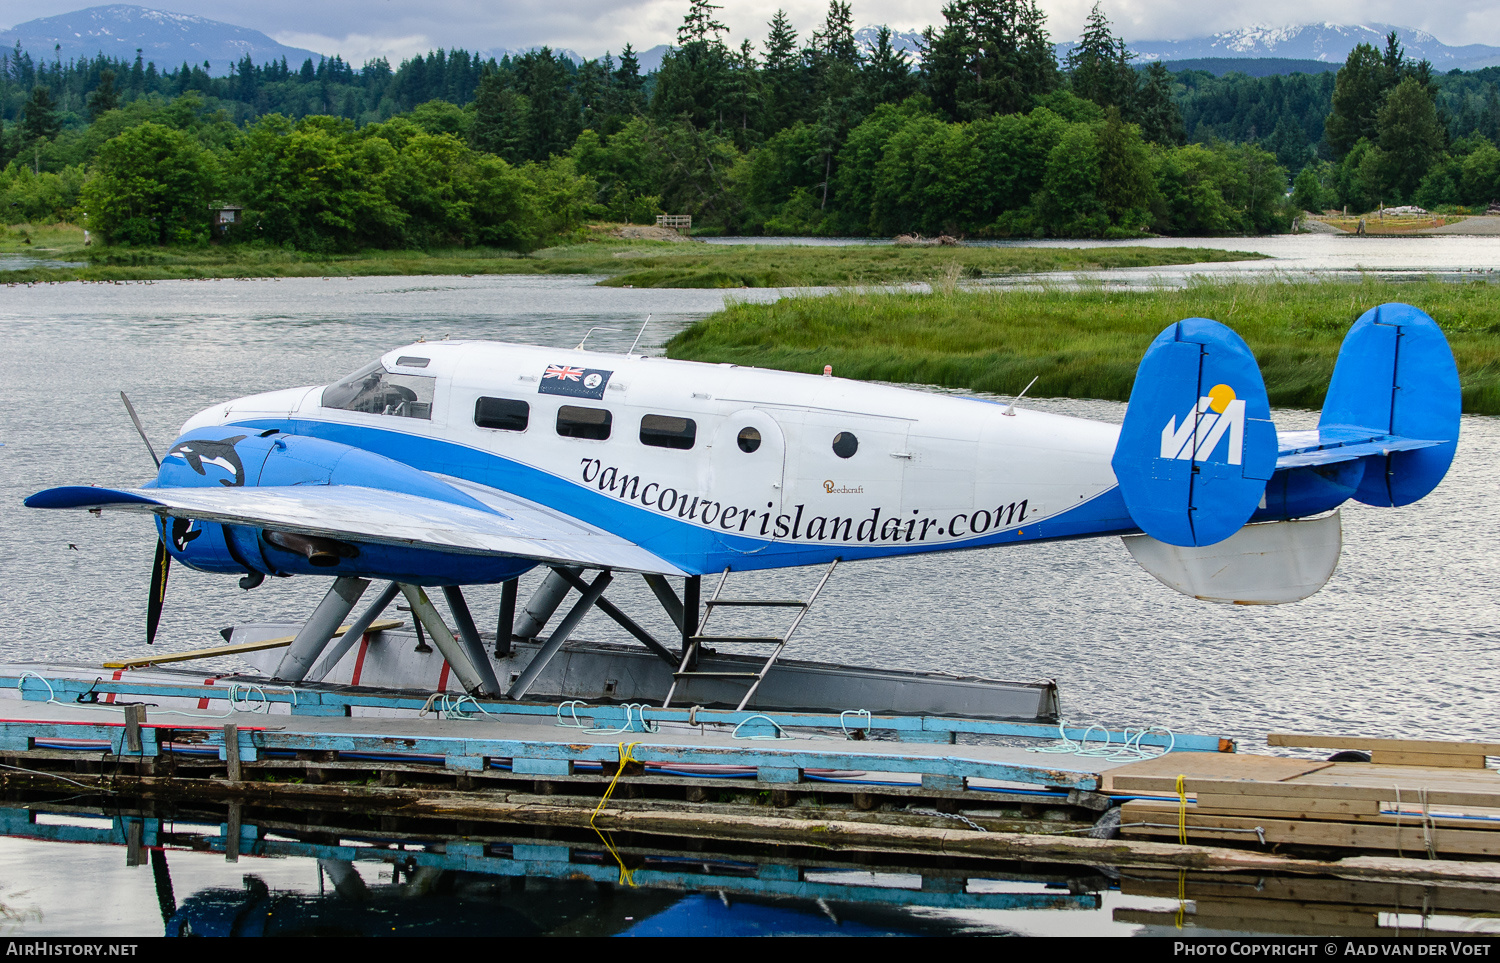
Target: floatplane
(444,465)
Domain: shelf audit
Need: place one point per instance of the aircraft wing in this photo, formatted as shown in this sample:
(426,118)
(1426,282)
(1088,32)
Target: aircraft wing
(1332,444)
(513,527)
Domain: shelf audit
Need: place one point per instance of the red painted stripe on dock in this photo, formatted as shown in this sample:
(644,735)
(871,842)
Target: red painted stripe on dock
(203,702)
(359,661)
(110,696)
(121,725)
(443,677)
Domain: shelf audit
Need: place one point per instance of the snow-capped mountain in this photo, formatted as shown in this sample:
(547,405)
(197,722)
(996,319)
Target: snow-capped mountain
(1326,42)
(167,39)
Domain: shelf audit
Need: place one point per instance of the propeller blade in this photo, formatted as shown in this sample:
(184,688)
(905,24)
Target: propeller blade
(159,569)
(139,430)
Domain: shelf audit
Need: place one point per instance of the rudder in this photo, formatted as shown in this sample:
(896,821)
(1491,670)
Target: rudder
(1395,375)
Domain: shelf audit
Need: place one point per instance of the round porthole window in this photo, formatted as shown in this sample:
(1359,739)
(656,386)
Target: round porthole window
(845,444)
(749,439)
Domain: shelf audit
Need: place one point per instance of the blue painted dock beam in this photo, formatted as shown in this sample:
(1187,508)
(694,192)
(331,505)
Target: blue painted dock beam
(302,701)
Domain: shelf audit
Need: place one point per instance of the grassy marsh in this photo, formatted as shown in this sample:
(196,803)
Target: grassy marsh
(1086,343)
(621,263)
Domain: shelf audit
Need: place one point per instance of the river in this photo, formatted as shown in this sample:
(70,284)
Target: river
(1402,641)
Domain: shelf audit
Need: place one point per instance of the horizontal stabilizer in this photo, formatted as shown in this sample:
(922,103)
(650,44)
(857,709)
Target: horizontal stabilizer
(1395,378)
(1329,446)
(1197,445)
(1263,564)
(376,516)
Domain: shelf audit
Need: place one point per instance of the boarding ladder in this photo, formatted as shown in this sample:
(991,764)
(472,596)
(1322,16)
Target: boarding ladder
(695,642)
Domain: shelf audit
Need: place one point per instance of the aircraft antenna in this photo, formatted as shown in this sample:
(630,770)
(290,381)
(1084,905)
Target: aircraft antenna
(591,331)
(139,430)
(638,336)
(1010,409)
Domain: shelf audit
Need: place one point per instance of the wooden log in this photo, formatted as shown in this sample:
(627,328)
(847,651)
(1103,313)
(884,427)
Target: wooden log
(221,650)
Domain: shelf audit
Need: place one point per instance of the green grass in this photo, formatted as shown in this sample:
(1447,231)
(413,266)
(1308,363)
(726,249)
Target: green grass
(768,266)
(1087,343)
(621,263)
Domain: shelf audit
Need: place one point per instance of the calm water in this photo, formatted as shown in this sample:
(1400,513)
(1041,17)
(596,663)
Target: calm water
(1402,641)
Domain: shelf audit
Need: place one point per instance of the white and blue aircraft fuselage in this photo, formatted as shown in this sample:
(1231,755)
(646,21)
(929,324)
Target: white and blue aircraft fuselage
(462,462)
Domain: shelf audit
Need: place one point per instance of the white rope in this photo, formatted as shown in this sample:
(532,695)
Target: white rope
(1130,748)
(779,735)
(859,715)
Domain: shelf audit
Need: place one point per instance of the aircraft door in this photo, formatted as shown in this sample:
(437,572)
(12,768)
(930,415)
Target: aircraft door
(746,468)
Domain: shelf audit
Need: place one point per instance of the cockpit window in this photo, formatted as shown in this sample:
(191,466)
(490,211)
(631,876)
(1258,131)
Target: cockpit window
(376,391)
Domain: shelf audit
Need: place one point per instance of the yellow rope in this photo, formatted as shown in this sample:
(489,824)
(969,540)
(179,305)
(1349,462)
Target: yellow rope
(625,759)
(1182,809)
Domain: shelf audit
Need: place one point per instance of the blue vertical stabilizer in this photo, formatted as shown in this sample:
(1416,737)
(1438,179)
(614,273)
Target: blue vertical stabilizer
(1395,376)
(1197,445)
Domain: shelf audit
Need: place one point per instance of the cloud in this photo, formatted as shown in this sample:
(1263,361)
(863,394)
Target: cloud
(358,29)
(356,48)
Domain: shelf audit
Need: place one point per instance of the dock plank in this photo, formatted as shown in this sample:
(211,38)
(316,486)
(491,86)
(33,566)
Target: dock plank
(1306,740)
(1406,836)
(1160,773)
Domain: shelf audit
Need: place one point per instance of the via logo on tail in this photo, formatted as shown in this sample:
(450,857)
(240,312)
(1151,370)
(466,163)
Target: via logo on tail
(1217,413)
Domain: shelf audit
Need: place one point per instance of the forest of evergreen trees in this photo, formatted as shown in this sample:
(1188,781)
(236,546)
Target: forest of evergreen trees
(984,133)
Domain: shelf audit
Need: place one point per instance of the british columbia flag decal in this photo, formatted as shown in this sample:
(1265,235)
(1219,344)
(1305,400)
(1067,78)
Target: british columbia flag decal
(574,382)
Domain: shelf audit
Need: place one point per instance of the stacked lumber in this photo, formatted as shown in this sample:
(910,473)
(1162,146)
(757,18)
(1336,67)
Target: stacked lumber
(1303,906)
(1414,797)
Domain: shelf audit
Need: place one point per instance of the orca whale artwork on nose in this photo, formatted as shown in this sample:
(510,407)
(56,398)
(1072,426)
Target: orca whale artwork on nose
(199,451)
(183,532)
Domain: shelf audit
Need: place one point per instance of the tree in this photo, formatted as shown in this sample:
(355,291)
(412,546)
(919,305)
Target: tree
(887,76)
(1410,136)
(783,75)
(1358,93)
(151,185)
(1125,184)
(693,77)
(1099,67)
(500,118)
(992,56)
(39,117)
(104,98)
(699,26)
(1155,109)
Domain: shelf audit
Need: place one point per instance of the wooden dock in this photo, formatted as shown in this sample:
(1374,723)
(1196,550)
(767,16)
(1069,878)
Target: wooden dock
(1427,798)
(917,785)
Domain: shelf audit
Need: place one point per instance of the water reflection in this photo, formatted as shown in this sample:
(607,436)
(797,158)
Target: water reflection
(316,874)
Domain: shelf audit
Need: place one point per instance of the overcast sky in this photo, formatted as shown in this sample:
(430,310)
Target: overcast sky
(359,29)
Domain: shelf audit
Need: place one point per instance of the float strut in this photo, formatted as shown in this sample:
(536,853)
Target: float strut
(318,631)
(468,635)
(692,588)
(560,634)
(505,627)
(356,632)
(469,675)
(544,601)
(667,597)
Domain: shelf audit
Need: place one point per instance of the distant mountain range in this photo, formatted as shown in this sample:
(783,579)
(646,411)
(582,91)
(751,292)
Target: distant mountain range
(170,39)
(1296,48)
(1326,42)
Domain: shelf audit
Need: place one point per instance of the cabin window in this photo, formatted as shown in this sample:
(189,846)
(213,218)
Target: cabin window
(502,414)
(411,361)
(845,444)
(576,422)
(748,440)
(664,431)
(376,391)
